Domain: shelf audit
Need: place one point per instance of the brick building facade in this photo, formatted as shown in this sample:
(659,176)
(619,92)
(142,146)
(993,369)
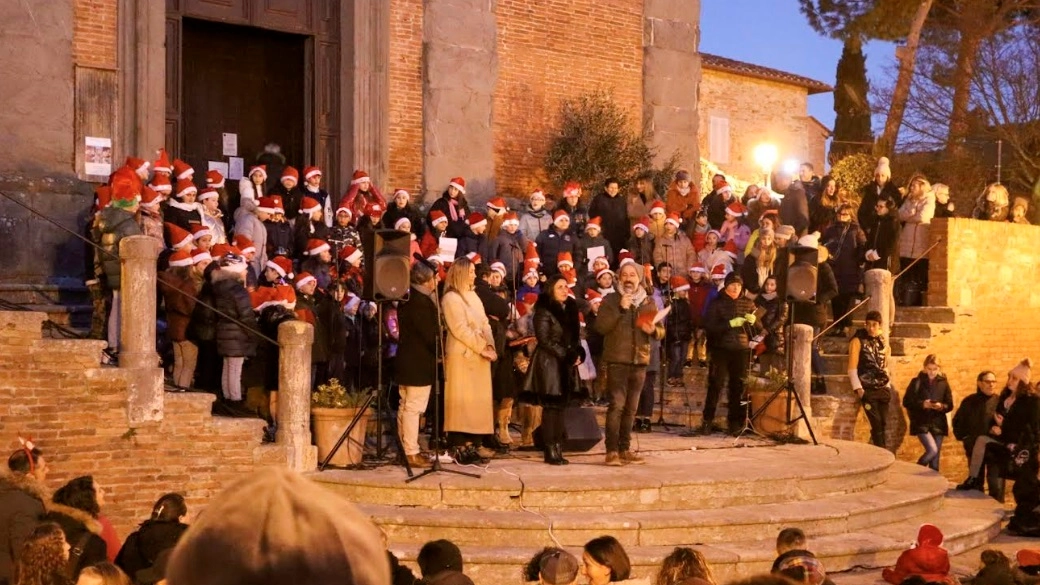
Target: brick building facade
(413,91)
(743,105)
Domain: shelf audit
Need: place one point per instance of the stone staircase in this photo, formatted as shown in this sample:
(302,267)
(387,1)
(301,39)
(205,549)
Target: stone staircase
(67,305)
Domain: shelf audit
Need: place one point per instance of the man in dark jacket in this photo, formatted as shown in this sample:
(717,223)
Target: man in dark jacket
(626,321)
(419,327)
(612,209)
(794,209)
(972,420)
(730,322)
(21,505)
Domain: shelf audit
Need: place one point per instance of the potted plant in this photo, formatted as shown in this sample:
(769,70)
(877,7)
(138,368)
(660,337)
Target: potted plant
(760,388)
(332,409)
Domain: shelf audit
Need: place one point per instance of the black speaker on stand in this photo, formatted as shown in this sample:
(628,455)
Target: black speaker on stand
(387,264)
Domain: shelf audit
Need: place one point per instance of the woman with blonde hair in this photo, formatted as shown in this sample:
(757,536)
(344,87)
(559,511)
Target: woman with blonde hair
(927,400)
(685,566)
(468,353)
(993,204)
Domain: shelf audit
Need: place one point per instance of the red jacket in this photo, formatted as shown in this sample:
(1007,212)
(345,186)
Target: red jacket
(356,201)
(928,559)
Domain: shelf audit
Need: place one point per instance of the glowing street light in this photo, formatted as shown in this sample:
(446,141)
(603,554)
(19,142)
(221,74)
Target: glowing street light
(766,155)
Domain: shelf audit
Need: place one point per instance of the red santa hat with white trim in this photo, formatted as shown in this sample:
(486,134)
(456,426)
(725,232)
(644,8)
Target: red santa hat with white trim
(214,179)
(199,255)
(674,219)
(496,204)
(185,187)
(311,171)
(698,267)
(350,254)
(499,268)
(719,271)
(564,259)
(657,207)
(593,296)
(208,193)
(244,244)
(474,258)
(309,205)
(263,297)
(511,218)
(359,177)
(437,216)
(281,265)
(162,164)
(303,279)
(267,205)
(643,223)
(182,170)
(137,164)
(459,183)
(316,246)
(199,231)
(595,223)
(476,219)
(262,169)
(625,257)
(290,173)
(531,253)
(736,209)
(150,198)
(177,236)
(161,184)
(679,283)
(560,214)
(401,222)
(180,258)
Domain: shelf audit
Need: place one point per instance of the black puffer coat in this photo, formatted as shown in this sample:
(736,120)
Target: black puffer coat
(553,374)
(142,547)
(924,420)
(230,298)
(722,335)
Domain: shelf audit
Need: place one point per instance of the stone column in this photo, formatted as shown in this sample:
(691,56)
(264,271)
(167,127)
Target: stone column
(137,355)
(671,75)
(460,71)
(142,72)
(877,284)
(801,373)
(294,395)
(365,90)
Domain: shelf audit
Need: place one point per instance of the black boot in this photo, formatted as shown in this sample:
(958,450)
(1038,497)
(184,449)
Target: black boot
(557,451)
(972,483)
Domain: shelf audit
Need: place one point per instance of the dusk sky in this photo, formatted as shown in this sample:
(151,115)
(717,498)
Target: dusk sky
(774,33)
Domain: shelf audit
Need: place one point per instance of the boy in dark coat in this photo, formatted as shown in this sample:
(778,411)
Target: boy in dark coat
(592,238)
(678,329)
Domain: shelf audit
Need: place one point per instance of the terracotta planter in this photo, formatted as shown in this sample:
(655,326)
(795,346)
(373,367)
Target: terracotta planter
(774,419)
(328,424)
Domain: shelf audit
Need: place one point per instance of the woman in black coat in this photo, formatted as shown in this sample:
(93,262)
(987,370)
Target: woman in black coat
(158,533)
(76,508)
(553,373)
(844,241)
(927,400)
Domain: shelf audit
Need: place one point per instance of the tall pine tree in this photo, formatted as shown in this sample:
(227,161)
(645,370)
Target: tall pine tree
(852,132)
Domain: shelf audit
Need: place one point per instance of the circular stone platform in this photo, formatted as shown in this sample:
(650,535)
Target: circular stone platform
(728,498)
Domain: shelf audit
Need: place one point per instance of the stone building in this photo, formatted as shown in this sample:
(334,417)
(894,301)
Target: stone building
(413,91)
(743,105)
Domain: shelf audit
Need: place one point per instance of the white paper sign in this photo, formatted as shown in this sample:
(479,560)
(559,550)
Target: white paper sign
(220,167)
(236,166)
(446,248)
(230,144)
(595,252)
(98,156)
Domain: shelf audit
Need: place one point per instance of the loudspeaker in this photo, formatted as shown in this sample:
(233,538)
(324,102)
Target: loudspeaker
(582,430)
(802,273)
(387,264)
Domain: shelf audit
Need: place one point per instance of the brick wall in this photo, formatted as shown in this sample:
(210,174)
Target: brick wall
(406,101)
(94,34)
(552,50)
(759,111)
(54,391)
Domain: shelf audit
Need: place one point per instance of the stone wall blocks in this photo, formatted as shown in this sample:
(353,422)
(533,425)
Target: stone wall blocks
(448,24)
(671,34)
(665,62)
(451,67)
(686,11)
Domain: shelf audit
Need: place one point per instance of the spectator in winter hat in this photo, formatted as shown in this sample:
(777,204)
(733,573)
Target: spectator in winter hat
(881,187)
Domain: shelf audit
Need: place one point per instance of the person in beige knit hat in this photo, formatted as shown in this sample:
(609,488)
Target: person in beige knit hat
(276,527)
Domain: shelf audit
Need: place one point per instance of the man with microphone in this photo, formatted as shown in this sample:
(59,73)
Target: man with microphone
(626,322)
(730,322)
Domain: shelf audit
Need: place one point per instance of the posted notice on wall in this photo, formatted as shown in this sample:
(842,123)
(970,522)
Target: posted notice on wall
(219,166)
(98,156)
(230,144)
(236,165)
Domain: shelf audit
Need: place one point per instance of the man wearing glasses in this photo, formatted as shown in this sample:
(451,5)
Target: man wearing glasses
(972,420)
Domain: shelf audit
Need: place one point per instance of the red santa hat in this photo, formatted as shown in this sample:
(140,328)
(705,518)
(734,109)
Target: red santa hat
(309,205)
(199,231)
(511,218)
(303,279)
(185,187)
(137,164)
(530,268)
(476,219)
(181,258)
(208,193)
(560,214)
(161,184)
(736,209)
(698,267)
(311,171)
(281,265)
(657,207)
(531,254)
(401,222)
(262,169)
(724,187)
(437,216)
(643,224)
(499,268)
(530,298)
(316,246)
(344,209)
(679,283)
(572,188)
(182,170)
(674,219)
(496,204)
(459,183)
(220,250)
(374,209)
(103,194)
(244,244)
(596,223)
(276,200)
(162,164)
(718,271)
(149,197)
(198,256)
(474,258)
(286,296)
(214,179)
(537,193)
(603,271)
(350,254)
(593,296)
(564,259)
(263,297)
(571,276)
(177,236)
(359,177)
(625,257)
(290,173)
(267,205)
(731,248)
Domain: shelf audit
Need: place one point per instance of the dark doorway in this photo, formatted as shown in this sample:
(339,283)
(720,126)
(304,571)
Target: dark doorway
(247,81)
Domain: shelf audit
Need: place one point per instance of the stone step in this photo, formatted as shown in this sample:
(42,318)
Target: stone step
(835,363)
(681,473)
(908,492)
(925,315)
(45,294)
(967,522)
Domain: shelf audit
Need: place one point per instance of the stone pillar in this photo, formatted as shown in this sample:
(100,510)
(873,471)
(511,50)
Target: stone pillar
(137,356)
(294,395)
(801,373)
(671,76)
(877,284)
(460,71)
(142,71)
(365,90)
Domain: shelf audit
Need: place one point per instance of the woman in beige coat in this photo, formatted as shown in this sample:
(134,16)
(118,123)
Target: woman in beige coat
(916,213)
(468,353)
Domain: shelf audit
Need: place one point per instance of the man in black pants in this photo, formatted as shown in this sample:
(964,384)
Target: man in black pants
(729,320)
(868,362)
(419,328)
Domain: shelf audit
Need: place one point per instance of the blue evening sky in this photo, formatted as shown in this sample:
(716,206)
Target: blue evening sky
(774,33)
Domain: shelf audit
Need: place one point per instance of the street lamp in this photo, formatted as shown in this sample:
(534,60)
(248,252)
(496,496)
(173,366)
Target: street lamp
(765,156)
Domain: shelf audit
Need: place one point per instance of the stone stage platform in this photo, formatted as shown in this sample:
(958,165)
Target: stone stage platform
(728,498)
